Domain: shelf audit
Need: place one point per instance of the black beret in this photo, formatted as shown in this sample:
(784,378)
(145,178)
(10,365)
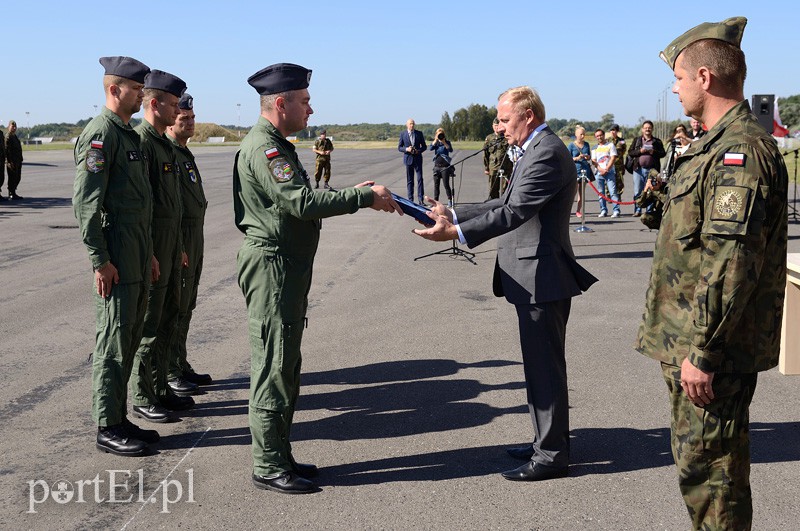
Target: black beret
(323,132)
(280,77)
(126,67)
(158,79)
(186,101)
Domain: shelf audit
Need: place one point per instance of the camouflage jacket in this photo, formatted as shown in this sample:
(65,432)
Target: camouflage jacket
(719,265)
(323,145)
(495,157)
(622,147)
(13,149)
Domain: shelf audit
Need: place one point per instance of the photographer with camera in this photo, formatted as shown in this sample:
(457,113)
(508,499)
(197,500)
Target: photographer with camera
(412,145)
(442,170)
(647,152)
(655,189)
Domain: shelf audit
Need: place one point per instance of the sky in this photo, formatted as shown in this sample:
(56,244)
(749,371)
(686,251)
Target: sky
(380,61)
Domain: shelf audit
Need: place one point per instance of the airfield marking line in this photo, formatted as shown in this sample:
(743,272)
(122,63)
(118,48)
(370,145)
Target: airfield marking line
(161,483)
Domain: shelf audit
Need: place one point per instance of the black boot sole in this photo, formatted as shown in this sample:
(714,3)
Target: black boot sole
(137,453)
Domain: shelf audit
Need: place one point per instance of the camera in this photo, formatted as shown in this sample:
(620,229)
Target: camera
(441,136)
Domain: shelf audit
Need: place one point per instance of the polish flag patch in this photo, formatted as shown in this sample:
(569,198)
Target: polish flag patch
(733,159)
(97,144)
(271,153)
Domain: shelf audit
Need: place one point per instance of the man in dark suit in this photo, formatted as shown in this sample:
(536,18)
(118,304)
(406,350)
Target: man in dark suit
(412,145)
(535,269)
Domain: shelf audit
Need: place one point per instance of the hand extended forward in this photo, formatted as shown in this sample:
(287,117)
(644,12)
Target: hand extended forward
(443,230)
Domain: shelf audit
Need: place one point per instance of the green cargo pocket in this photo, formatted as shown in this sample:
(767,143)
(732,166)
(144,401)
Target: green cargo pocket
(257,333)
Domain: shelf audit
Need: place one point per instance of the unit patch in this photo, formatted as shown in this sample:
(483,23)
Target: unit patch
(167,167)
(95,160)
(281,170)
(190,170)
(133,155)
(730,203)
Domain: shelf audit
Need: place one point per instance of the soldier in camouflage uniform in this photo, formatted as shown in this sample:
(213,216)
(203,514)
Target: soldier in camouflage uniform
(323,147)
(496,162)
(280,215)
(619,163)
(113,205)
(181,373)
(152,399)
(715,300)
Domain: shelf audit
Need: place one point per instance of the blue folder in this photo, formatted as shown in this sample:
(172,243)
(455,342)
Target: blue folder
(418,212)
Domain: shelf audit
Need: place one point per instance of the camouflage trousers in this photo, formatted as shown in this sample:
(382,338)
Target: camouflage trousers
(711,448)
(322,167)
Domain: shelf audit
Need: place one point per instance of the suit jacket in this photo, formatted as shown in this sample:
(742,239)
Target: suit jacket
(418,141)
(535,262)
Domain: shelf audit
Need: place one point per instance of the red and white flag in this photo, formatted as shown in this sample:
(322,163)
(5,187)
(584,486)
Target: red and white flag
(779,130)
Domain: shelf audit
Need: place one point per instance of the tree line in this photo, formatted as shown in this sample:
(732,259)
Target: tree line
(473,122)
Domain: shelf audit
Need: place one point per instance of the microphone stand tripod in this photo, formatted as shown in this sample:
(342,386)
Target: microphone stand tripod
(454,250)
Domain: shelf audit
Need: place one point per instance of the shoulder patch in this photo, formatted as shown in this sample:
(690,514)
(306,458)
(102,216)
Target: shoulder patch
(733,159)
(95,160)
(730,203)
(281,169)
(97,144)
(271,153)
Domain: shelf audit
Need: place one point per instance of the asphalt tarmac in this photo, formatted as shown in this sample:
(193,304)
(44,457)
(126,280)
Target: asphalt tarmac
(412,383)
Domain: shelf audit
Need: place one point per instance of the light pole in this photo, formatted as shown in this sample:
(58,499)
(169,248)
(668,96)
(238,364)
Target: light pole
(28,123)
(239,120)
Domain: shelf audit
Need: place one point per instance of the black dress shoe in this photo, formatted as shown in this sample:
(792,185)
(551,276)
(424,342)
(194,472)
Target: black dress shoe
(305,471)
(135,432)
(15,197)
(153,413)
(183,387)
(521,452)
(532,471)
(285,482)
(199,379)
(115,440)
(174,402)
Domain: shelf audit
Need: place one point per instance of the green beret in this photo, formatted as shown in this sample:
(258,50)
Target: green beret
(729,30)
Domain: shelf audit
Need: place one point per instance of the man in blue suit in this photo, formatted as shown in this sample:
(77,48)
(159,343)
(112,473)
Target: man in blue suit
(412,145)
(535,270)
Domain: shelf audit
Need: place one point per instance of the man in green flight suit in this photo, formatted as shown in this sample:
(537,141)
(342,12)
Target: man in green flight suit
(279,213)
(715,300)
(152,398)
(496,162)
(181,374)
(113,206)
(323,147)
